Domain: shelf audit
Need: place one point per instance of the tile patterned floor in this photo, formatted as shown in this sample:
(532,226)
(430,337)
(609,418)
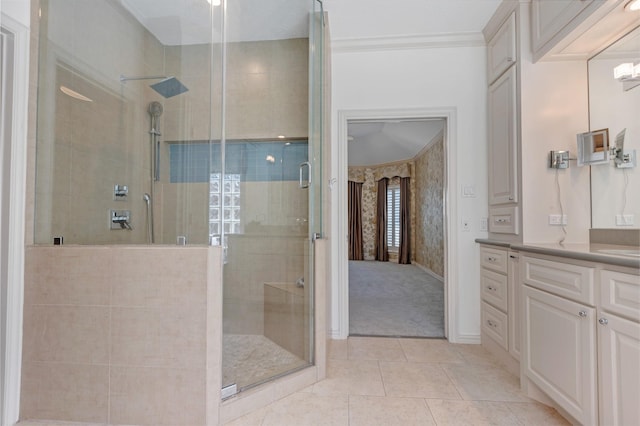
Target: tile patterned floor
(388,381)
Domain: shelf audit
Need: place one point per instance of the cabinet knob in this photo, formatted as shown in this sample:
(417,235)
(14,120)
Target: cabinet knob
(510,198)
(582,314)
(603,321)
(491,259)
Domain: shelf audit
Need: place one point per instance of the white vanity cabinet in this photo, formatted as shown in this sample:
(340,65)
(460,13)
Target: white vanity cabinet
(560,351)
(499,291)
(581,337)
(619,348)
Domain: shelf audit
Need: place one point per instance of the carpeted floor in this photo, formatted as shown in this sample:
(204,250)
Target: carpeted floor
(387,299)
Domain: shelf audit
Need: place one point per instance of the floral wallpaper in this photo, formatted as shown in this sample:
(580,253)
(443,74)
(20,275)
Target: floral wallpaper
(369,177)
(429,226)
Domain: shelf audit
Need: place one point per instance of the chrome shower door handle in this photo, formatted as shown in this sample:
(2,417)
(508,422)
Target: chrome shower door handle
(301,183)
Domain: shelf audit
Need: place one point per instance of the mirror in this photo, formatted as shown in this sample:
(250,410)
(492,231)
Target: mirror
(614,104)
(593,147)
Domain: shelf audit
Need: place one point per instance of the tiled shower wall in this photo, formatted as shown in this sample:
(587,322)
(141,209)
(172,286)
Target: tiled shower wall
(116,335)
(251,262)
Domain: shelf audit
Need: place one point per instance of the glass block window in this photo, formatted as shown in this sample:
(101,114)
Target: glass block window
(227,190)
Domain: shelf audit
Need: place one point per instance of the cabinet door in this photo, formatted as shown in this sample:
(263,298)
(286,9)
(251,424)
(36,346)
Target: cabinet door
(501,49)
(514,292)
(549,18)
(559,352)
(619,370)
(503,160)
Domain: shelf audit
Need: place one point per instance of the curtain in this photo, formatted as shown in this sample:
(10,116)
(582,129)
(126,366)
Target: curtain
(382,252)
(356,251)
(404,252)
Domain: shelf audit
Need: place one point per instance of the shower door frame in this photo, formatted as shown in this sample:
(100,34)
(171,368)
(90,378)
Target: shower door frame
(17,109)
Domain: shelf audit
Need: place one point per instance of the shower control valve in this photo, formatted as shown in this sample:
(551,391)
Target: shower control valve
(120,192)
(120,219)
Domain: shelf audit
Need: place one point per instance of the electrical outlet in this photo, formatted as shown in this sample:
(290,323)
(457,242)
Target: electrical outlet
(624,220)
(557,220)
(484,223)
(466,225)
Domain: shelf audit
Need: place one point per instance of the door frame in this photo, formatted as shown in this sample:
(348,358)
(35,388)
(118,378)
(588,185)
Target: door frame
(449,114)
(13,205)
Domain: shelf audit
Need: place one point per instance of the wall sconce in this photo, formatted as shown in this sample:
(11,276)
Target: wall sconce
(633,5)
(627,72)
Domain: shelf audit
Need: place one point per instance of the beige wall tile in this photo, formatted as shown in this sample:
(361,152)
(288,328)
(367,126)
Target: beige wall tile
(61,275)
(171,276)
(157,396)
(70,334)
(64,392)
(159,337)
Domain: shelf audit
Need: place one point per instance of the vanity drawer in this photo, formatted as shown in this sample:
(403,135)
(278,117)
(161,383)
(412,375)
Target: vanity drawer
(504,220)
(494,325)
(620,294)
(493,259)
(574,282)
(494,289)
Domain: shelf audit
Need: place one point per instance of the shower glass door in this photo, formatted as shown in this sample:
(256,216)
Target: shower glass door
(268,186)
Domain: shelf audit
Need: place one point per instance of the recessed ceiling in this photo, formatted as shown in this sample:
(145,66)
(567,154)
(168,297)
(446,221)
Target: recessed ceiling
(184,22)
(386,141)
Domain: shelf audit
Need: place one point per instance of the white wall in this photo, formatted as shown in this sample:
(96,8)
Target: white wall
(554,104)
(445,77)
(17,9)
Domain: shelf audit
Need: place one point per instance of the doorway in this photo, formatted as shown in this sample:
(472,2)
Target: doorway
(346,119)
(396,249)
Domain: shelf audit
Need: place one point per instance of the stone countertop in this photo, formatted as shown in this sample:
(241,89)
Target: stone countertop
(602,253)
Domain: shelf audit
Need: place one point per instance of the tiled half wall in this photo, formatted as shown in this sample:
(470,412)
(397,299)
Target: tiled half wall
(116,335)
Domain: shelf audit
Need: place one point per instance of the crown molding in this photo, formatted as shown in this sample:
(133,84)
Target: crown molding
(427,41)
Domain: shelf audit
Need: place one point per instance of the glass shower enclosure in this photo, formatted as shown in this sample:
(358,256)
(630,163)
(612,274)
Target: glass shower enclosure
(192,122)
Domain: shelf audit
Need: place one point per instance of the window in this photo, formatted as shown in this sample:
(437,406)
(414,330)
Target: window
(393,217)
(231,209)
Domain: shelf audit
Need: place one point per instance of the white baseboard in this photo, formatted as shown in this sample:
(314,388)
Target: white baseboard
(428,271)
(469,339)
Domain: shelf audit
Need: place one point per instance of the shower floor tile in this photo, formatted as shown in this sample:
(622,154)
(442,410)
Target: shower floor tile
(252,359)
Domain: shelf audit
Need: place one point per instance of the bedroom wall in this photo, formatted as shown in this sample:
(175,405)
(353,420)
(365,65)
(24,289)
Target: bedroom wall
(429,224)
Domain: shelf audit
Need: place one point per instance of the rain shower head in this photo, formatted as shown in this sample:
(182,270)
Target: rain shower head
(168,87)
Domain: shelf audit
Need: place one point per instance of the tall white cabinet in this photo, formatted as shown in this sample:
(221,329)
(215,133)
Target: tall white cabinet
(502,71)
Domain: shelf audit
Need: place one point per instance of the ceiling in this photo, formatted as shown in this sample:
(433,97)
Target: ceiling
(180,22)
(184,22)
(386,141)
